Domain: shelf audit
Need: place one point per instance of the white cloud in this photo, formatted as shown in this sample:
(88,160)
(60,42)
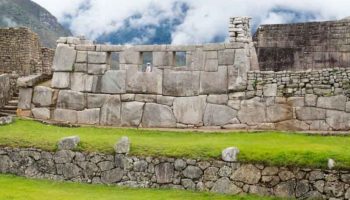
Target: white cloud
(205,19)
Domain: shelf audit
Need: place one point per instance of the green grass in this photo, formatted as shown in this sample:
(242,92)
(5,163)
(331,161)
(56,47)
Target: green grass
(272,148)
(16,188)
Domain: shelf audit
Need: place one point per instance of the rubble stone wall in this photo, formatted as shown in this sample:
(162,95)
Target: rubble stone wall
(20,52)
(201,175)
(303,46)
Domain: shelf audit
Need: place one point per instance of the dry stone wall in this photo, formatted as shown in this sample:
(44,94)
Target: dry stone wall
(201,175)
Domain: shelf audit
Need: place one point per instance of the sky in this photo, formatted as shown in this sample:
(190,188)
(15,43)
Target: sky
(182,21)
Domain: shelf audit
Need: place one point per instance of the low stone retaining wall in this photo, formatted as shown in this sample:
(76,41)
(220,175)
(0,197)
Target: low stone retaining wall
(213,175)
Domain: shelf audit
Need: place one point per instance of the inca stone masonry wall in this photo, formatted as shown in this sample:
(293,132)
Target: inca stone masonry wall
(4,89)
(20,52)
(303,46)
(213,175)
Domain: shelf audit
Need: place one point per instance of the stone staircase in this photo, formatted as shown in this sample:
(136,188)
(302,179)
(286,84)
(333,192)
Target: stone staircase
(11,107)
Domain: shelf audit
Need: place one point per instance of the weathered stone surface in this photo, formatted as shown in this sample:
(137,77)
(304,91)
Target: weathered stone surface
(285,189)
(131,113)
(270,90)
(122,146)
(180,83)
(110,111)
(96,100)
(180,164)
(69,99)
(29,81)
(164,173)
(189,110)
(293,124)
(113,82)
(5,164)
(230,154)
(165,100)
(338,120)
(25,98)
(63,156)
(320,125)
(64,58)
(279,112)
(82,82)
(310,113)
(252,112)
(238,72)
(156,115)
(89,116)
(64,115)
(41,113)
(211,65)
(61,80)
(163,59)
(147,98)
(81,57)
(226,57)
(218,99)
(247,173)
(333,102)
(310,100)
(80,67)
(144,82)
(214,82)
(6,120)
(192,172)
(218,115)
(97,57)
(129,56)
(128,97)
(97,69)
(296,101)
(225,186)
(112,176)
(68,143)
(42,96)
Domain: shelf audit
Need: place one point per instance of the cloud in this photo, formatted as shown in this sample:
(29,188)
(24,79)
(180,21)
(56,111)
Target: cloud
(197,21)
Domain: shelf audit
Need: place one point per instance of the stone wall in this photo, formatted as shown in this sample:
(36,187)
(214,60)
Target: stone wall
(20,52)
(212,175)
(5,88)
(303,46)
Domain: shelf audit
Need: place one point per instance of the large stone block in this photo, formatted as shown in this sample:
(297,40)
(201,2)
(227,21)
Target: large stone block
(89,116)
(211,65)
(310,113)
(225,186)
(248,174)
(333,102)
(226,57)
(252,112)
(163,59)
(97,57)
(113,82)
(218,99)
(144,82)
(110,111)
(214,82)
(64,58)
(96,100)
(190,110)
(81,82)
(218,115)
(181,83)
(165,100)
(159,116)
(42,96)
(25,98)
(130,57)
(61,80)
(69,99)
(41,113)
(81,57)
(97,69)
(237,74)
(292,125)
(64,115)
(164,173)
(338,120)
(132,113)
(279,112)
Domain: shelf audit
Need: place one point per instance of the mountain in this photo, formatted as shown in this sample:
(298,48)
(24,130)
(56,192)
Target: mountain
(15,13)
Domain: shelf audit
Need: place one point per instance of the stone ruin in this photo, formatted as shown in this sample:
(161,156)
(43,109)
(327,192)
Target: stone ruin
(185,86)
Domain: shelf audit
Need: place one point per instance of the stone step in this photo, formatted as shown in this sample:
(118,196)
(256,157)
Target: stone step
(13,101)
(10,107)
(6,113)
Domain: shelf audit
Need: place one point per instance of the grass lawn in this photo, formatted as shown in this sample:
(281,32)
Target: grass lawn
(274,148)
(16,188)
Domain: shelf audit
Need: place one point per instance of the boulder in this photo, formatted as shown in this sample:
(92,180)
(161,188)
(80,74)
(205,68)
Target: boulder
(89,116)
(214,82)
(60,80)
(41,113)
(310,113)
(230,154)
(131,113)
(192,172)
(189,110)
(218,115)
(164,173)
(110,111)
(180,83)
(6,120)
(42,96)
(160,116)
(64,58)
(333,102)
(248,174)
(252,112)
(68,143)
(68,99)
(25,98)
(122,146)
(279,112)
(113,82)
(225,186)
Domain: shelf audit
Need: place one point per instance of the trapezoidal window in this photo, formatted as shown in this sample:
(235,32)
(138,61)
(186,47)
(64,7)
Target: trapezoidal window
(147,61)
(180,58)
